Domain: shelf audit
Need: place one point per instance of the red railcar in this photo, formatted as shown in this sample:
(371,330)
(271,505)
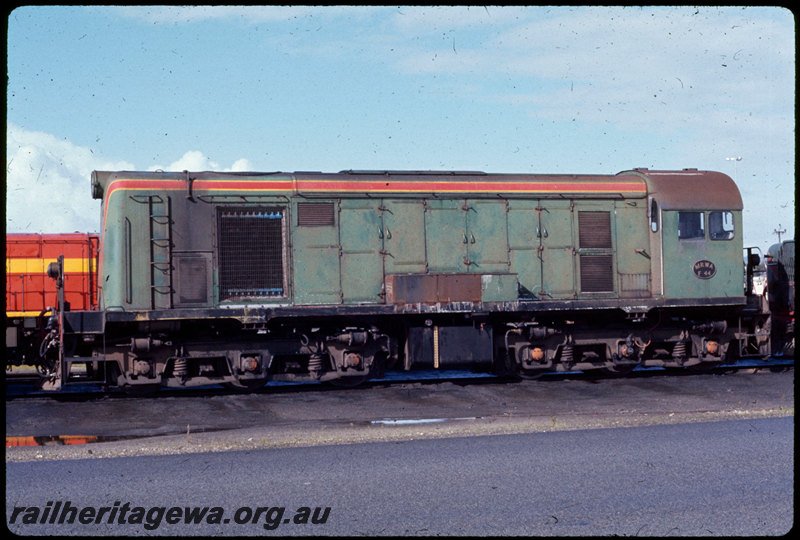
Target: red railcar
(29,291)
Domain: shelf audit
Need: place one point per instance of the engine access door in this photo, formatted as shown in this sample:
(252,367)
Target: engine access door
(361,241)
(487,236)
(445,236)
(556,242)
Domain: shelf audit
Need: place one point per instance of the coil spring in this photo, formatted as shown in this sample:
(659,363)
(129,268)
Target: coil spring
(567,354)
(181,367)
(315,363)
(679,351)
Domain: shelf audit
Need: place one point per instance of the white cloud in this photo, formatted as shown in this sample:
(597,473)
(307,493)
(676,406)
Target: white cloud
(48,186)
(241,165)
(48,183)
(195,160)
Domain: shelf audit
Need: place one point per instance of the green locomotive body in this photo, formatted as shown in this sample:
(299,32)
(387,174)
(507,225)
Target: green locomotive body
(240,278)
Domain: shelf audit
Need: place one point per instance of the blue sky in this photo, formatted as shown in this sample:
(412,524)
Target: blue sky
(499,89)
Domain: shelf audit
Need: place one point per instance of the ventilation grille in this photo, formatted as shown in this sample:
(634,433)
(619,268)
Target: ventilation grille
(597,273)
(315,214)
(250,253)
(634,282)
(594,230)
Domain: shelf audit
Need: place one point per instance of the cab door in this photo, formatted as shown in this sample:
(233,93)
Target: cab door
(702,253)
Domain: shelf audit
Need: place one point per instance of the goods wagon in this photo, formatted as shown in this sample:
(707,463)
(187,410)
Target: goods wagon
(240,278)
(30,293)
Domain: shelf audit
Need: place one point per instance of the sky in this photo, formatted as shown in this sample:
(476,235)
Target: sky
(537,89)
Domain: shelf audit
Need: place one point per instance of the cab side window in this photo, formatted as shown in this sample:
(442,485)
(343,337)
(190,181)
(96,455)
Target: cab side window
(691,225)
(653,216)
(720,225)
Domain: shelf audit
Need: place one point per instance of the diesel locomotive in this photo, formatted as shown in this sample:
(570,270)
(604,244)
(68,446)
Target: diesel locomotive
(241,278)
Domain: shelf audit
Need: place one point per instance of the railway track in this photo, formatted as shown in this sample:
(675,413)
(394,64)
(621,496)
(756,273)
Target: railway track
(22,385)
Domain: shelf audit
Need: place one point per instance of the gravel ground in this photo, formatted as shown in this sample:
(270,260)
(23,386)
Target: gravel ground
(224,422)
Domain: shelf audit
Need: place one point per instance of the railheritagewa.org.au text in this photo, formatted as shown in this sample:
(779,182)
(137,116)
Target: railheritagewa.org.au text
(154,517)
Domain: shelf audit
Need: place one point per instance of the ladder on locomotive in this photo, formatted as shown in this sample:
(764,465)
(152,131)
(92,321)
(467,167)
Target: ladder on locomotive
(160,212)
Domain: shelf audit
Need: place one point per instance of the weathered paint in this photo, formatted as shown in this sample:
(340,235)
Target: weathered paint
(632,255)
(691,189)
(681,255)
(387,223)
(555,232)
(356,184)
(360,258)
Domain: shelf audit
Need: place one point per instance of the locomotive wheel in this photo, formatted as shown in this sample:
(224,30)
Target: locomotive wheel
(704,367)
(780,369)
(532,375)
(349,382)
(505,366)
(140,390)
(246,385)
(375,370)
(622,369)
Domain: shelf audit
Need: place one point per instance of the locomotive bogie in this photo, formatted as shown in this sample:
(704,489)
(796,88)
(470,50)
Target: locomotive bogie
(614,345)
(196,353)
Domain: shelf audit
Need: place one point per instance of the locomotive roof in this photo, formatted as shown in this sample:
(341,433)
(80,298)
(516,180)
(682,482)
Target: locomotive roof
(691,189)
(674,189)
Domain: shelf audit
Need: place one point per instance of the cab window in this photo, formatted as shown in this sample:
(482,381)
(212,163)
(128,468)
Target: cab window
(720,225)
(691,225)
(653,216)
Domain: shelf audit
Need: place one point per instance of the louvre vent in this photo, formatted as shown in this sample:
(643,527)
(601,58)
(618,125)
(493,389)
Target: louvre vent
(597,273)
(594,230)
(315,214)
(634,282)
(250,253)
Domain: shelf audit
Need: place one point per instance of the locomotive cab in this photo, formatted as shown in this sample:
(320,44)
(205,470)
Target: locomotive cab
(695,232)
(695,222)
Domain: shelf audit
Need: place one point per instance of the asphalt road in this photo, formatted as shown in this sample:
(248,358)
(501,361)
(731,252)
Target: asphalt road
(732,477)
